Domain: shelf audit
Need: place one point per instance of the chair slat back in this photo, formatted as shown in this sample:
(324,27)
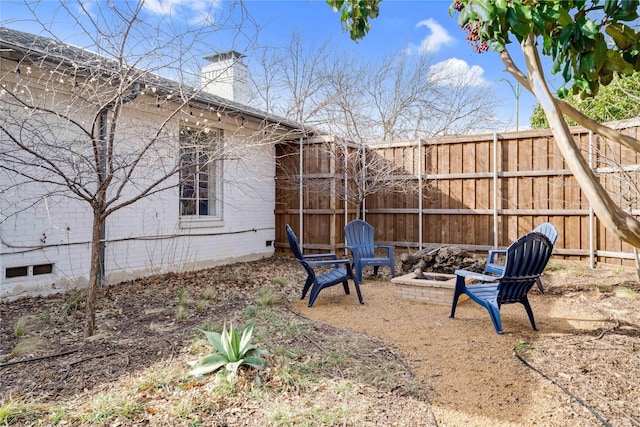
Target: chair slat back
(526,259)
(548,230)
(359,233)
(293,243)
(297,252)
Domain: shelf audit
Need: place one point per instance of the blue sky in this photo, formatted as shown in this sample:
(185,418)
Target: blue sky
(422,27)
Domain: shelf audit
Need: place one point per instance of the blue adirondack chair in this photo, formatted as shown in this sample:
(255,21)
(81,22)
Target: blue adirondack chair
(359,235)
(317,282)
(495,267)
(526,259)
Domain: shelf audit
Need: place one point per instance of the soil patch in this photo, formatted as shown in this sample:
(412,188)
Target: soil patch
(586,350)
(580,369)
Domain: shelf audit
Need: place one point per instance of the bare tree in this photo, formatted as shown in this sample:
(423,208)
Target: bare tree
(358,171)
(367,172)
(103,128)
(405,97)
(290,81)
(400,96)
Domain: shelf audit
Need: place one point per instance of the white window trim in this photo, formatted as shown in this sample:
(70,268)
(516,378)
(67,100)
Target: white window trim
(208,221)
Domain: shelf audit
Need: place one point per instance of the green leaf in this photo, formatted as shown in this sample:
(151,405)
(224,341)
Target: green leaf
(605,79)
(600,52)
(629,5)
(215,339)
(465,16)
(610,6)
(557,64)
(587,64)
(522,11)
(564,18)
(255,362)
(622,35)
(501,7)
(563,92)
(567,73)
(485,9)
(208,364)
(589,28)
(615,62)
(233,367)
(246,338)
(565,35)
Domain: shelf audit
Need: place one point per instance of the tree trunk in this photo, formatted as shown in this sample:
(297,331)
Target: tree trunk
(623,225)
(92,290)
(359,209)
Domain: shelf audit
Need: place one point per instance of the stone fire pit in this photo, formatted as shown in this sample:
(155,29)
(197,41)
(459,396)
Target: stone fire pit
(437,288)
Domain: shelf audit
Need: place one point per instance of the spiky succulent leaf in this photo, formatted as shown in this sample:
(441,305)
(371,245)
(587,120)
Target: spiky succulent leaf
(246,339)
(215,339)
(208,364)
(232,368)
(255,362)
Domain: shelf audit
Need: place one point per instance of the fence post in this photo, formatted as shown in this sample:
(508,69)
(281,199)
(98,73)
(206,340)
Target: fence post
(333,202)
(495,190)
(300,195)
(346,189)
(420,194)
(592,263)
(364,181)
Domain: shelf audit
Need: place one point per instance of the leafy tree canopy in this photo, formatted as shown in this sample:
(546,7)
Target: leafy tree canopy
(617,101)
(575,33)
(355,15)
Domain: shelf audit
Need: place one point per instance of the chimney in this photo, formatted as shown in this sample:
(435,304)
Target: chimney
(226,76)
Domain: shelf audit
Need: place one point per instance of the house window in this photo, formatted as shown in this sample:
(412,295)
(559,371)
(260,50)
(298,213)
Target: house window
(200,172)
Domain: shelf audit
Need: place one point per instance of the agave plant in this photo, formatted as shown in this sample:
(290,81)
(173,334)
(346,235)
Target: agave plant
(232,351)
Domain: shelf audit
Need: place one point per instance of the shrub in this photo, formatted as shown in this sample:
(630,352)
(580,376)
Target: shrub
(232,351)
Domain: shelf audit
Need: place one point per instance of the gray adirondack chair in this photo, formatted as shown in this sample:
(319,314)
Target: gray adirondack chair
(525,261)
(495,267)
(317,282)
(359,235)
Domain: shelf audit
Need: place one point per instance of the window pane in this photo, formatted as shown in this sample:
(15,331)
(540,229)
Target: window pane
(187,189)
(204,207)
(198,179)
(187,207)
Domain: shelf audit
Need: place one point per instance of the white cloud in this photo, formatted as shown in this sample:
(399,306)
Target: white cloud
(198,10)
(456,72)
(439,37)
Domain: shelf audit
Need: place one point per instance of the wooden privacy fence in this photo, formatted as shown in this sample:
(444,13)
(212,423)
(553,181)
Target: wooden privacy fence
(477,192)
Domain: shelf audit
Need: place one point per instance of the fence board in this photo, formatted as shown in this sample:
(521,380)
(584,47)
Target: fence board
(533,186)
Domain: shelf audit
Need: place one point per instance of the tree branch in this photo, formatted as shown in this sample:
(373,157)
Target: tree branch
(615,219)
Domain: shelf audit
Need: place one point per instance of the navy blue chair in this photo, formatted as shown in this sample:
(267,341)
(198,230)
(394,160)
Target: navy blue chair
(359,235)
(493,266)
(317,282)
(526,258)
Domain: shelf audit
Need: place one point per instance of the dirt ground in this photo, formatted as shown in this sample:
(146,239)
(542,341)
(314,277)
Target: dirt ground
(580,369)
(586,348)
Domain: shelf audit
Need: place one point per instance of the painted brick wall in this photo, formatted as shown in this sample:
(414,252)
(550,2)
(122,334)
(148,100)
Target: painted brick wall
(145,238)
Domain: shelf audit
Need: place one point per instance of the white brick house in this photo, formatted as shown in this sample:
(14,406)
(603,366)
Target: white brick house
(209,213)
